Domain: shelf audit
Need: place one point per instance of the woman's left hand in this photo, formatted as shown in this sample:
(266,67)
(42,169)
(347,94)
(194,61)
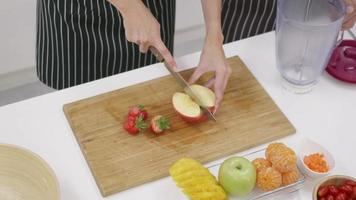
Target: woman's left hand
(213,59)
(350,18)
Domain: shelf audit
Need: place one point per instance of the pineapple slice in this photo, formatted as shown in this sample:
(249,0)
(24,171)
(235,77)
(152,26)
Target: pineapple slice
(196,181)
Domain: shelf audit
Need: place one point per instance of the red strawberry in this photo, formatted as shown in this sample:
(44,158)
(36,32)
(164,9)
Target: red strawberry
(137,110)
(159,124)
(144,114)
(135,126)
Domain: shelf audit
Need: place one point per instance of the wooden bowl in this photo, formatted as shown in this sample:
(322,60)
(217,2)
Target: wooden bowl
(330,180)
(25,176)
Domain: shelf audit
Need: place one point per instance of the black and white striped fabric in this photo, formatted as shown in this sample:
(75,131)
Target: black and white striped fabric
(246,18)
(84,40)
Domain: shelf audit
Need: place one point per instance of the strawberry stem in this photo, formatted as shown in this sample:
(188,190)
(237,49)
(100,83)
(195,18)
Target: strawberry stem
(163,123)
(140,123)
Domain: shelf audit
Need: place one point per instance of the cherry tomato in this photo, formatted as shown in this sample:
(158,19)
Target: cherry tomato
(323,191)
(341,196)
(330,197)
(350,182)
(333,190)
(346,188)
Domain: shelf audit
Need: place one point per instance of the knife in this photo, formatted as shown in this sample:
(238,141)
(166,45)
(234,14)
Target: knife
(183,83)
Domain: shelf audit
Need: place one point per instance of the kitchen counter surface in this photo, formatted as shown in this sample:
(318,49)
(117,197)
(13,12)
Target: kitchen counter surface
(326,115)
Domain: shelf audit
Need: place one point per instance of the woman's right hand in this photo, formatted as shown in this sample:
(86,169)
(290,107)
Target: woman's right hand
(142,28)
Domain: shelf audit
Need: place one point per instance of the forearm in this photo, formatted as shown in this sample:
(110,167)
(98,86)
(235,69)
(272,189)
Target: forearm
(212,18)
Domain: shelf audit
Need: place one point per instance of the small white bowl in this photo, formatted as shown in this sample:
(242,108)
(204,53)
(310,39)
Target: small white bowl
(308,147)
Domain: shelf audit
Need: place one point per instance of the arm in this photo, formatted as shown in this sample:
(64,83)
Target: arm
(213,56)
(350,18)
(141,27)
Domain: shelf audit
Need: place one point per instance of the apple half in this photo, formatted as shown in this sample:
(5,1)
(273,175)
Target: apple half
(188,109)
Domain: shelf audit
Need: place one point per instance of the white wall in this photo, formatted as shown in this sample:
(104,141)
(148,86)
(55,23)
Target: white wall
(17,34)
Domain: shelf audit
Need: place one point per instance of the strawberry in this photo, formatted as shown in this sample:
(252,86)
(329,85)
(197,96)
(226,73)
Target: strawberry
(138,110)
(135,126)
(159,124)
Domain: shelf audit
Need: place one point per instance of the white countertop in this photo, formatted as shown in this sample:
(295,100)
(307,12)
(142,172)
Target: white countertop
(326,115)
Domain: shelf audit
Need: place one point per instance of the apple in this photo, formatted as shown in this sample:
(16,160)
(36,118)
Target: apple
(188,109)
(237,176)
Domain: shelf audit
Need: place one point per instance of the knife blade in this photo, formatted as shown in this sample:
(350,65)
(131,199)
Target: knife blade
(180,80)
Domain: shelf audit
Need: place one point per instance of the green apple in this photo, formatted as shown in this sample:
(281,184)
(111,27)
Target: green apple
(237,176)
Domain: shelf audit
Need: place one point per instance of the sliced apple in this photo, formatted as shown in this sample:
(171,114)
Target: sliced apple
(188,109)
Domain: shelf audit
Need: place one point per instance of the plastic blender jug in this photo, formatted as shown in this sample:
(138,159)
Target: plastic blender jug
(306,34)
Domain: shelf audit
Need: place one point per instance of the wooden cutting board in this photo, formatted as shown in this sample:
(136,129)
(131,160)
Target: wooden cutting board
(248,117)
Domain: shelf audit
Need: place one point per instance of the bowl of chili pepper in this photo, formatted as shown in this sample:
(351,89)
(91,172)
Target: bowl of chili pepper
(316,161)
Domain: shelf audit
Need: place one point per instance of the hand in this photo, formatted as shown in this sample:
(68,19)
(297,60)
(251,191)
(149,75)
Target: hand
(142,28)
(213,59)
(350,18)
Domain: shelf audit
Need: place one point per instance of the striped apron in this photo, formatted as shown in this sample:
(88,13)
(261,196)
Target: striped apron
(83,40)
(246,18)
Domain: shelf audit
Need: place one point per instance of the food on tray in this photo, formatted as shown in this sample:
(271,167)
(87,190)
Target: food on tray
(279,168)
(159,124)
(188,109)
(237,176)
(282,157)
(261,163)
(316,162)
(196,181)
(290,177)
(269,179)
(135,121)
(345,191)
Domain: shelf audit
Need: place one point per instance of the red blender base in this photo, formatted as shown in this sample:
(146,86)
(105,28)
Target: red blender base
(342,64)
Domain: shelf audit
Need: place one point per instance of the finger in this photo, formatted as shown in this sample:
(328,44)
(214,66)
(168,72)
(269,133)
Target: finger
(219,88)
(144,47)
(161,47)
(210,83)
(196,75)
(227,77)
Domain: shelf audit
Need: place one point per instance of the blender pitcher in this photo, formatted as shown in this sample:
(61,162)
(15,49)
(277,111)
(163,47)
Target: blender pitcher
(306,33)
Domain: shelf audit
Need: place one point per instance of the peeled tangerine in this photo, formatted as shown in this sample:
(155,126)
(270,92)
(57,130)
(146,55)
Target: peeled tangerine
(196,181)
(282,157)
(290,177)
(269,179)
(261,163)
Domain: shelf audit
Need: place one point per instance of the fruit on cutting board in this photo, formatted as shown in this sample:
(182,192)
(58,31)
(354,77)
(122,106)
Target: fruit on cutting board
(188,109)
(159,124)
(282,157)
(134,125)
(343,191)
(196,181)
(269,179)
(135,121)
(237,176)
